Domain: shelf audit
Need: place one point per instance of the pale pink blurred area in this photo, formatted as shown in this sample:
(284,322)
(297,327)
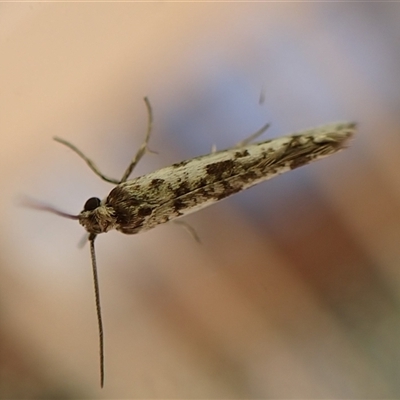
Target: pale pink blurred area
(294,290)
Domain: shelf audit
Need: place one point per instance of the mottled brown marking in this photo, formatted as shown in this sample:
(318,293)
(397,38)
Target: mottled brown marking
(121,195)
(242,153)
(299,161)
(202,182)
(180,164)
(156,182)
(143,211)
(183,188)
(227,191)
(125,217)
(249,175)
(178,205)
(220,167)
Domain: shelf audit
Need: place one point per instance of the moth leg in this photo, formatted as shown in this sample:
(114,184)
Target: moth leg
(83,241)
(245,141)
(140,153)
(189,229)
(144,147)
(88,161)
(252,137)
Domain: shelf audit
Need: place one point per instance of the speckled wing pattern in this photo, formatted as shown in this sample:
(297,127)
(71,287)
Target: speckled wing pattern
(142,203)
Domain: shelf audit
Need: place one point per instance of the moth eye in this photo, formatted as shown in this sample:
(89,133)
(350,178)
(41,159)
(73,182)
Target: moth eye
(92,204)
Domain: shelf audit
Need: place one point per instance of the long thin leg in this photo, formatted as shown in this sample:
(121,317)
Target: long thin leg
(252,137)
(246,141)
(189,228)
(92,237)
(88,161)
(140,153)
(144,147)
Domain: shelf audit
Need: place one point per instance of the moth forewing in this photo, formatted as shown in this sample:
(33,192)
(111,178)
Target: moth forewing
(140,204)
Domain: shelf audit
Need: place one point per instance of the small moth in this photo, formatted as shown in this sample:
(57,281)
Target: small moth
(142,203)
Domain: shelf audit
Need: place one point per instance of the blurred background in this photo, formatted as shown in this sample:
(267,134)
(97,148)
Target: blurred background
(294,291)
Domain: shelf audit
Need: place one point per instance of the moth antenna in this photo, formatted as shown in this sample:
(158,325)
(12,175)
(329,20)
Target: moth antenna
(92,237)
(36,205)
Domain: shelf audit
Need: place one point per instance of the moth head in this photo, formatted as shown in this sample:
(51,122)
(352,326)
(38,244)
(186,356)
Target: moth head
(96,217)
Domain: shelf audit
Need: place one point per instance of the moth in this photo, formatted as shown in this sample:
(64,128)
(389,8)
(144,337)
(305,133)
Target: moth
(139,204)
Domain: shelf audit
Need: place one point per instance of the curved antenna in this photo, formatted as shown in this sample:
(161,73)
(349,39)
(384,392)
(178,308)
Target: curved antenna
(30,203)
(92,238)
